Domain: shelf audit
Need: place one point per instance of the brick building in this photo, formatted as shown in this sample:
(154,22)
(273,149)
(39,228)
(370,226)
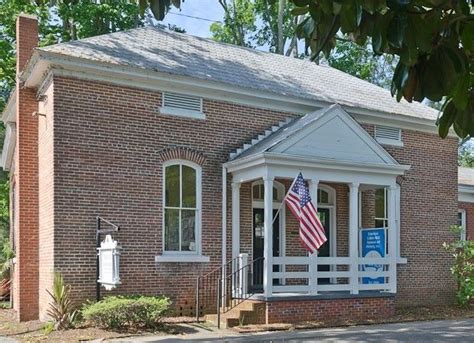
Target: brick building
(466,202)
(190,146)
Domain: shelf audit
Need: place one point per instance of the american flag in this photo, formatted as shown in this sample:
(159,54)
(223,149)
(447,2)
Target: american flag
(312,234)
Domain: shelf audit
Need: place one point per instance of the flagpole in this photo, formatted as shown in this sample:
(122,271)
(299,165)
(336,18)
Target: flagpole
(284,198)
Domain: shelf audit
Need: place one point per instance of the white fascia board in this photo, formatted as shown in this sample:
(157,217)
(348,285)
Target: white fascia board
(9,113)
(42,61)
(9,145)
(303,162)
(465,193)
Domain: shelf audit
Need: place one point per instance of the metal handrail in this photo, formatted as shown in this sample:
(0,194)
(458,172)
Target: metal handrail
(207,284)
(240,289)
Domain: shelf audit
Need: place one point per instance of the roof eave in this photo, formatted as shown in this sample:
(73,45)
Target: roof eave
(43,61)
(305,162)
(9,112)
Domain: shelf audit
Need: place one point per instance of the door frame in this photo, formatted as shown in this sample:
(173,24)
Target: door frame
(332,221)
(276,204)
(332,217)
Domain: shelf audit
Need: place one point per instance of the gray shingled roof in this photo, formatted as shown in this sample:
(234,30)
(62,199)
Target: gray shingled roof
(279,133)
(175,53)
(466,176)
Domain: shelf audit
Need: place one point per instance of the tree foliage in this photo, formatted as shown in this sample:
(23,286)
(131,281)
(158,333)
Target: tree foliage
(239,23)
(434,40)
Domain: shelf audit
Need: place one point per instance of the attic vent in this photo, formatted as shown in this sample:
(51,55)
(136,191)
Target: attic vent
(182,105)
(388,135)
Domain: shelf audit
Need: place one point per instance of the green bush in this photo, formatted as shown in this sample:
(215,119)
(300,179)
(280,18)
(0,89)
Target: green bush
(120,312)
(463,268)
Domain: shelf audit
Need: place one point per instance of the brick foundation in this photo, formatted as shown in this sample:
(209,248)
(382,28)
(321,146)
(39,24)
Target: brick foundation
(293,311)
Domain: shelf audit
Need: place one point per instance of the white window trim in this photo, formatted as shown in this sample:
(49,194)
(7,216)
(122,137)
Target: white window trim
(385,141)
(181,112)
(463,223)
(183,256)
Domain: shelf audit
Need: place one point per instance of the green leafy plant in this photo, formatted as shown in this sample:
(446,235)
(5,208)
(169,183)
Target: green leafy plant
(61,309)
(48,328)
(463,268)
(119,312)
(6,256)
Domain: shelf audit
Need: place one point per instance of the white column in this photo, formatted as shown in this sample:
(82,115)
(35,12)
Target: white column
(235,219)
(354,236)
(268,236)
(243,274)
(313,258)
(392,238)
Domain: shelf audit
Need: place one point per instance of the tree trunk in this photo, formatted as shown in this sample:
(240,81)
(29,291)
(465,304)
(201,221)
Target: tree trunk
(281,15)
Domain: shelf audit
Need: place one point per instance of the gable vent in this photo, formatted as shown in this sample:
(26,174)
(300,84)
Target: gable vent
(388,135)
(182,101)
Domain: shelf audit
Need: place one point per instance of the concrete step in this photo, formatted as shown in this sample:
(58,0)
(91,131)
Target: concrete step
(245,313)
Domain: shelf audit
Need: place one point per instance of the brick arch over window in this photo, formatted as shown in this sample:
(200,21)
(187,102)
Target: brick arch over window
(182,153)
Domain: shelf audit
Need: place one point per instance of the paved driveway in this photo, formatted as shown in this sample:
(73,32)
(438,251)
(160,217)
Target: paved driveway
(434,331)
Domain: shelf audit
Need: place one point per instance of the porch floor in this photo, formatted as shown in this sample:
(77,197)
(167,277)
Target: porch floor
(321,296)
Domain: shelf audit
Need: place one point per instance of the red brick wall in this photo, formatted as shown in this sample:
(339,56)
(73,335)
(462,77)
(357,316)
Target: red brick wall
(469,208)
(25,282)
(107,147)
(335,309)
(428,208)
(46,198)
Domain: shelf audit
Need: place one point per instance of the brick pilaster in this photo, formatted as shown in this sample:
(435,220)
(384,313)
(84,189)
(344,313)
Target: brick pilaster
(26,168)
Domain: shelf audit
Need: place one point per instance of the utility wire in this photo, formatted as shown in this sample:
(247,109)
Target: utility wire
(193,17)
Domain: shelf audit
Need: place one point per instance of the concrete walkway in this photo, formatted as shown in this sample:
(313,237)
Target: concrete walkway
(433,331)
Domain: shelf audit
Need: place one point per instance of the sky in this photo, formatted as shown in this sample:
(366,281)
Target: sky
(205,9)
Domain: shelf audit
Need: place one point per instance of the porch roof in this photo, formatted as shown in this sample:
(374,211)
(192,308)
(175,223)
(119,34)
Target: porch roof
(328,138)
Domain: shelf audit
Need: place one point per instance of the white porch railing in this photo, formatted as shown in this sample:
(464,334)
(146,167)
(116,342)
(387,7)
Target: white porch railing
(300,274)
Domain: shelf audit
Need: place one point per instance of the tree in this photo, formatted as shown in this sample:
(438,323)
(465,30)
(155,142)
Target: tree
(466,155)
(239,22)
(361,62)
(434,40)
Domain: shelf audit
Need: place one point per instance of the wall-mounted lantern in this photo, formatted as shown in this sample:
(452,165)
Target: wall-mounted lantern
(109,263)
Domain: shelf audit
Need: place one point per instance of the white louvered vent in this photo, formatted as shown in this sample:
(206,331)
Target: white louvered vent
(388,135)
(182,105)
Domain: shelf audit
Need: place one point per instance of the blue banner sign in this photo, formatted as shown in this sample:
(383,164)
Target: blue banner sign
(372,243)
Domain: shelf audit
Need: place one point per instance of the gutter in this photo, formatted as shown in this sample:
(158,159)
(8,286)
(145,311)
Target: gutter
(61,64)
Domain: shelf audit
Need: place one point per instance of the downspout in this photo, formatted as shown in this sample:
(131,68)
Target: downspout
(224,214)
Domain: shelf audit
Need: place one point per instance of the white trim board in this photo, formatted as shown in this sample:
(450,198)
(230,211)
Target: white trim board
(42,62)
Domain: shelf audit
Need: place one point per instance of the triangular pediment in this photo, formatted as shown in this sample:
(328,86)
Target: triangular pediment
(332,134)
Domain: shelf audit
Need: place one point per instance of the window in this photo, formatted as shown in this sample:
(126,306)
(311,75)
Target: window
(323,197)
(182,105)
(462,223)
(182,199)
(388,135)
(381,216)
(258,192)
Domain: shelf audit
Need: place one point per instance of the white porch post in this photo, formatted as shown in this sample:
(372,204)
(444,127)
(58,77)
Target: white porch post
(354,236)
(268,236)
(313,258)
(235,219)
(392,238)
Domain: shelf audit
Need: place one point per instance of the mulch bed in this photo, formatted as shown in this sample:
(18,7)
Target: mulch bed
(32,331)
(402,315)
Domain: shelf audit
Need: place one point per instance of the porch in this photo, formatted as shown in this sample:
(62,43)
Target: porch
(345,169)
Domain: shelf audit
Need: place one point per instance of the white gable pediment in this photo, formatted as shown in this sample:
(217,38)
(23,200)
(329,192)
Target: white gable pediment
(334,135)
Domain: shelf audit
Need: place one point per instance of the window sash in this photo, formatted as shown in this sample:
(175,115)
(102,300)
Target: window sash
(180,209)
(383,219)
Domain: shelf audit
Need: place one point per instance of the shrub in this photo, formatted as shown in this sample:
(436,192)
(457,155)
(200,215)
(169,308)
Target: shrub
(60,309)
(118,312)
(463,268)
